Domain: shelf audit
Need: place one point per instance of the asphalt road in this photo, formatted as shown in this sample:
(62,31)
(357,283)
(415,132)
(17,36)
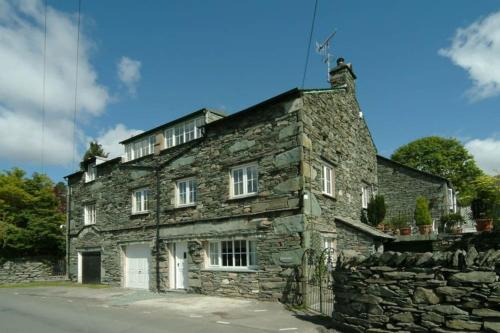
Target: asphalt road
(101,311)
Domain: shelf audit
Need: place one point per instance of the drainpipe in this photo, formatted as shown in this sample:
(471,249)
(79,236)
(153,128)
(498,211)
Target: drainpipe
(68,222)
(157,245)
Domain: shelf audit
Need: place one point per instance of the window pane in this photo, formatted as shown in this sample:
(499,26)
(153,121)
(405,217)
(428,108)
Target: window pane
(214,253)
(252,253)
(138,198)
(251,179)
(179,134)
(146,199)
(169,134)
(227,253)
(192,191)
(189,129)
(238,181)
(182,193)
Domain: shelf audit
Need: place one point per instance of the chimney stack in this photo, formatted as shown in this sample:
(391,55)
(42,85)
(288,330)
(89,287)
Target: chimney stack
(343,76)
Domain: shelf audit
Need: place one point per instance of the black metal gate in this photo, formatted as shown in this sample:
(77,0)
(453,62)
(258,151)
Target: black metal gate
(317,280)
(91,267)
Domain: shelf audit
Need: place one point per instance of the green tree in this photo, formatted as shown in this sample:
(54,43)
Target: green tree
(94,149)
(422,214)
(376,210)
(445,157)
(30,219)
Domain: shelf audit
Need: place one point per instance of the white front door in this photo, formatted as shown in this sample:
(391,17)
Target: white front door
(137,266)
(181,266)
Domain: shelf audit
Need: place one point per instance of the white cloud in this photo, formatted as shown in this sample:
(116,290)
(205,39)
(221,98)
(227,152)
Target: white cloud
(21,65)
(476,49)
(487,153)
(129,72)
(111,138)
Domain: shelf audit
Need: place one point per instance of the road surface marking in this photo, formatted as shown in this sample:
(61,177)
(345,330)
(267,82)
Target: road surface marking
(70,301)
(259,310)
(288,329)
(195,316)
(223,322)
(146,312)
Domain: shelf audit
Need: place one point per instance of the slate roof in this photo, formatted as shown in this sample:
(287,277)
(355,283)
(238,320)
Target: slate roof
(364,228)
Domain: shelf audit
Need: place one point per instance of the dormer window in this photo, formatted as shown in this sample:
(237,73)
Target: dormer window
(140,148)
(183,132)
(91,173)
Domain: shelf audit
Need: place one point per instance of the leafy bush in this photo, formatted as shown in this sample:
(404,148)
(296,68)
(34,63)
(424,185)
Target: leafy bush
(376,210)
(452,220)
(422,213)
(399,221)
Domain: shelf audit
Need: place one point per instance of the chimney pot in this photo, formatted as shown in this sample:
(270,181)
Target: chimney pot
(340,61)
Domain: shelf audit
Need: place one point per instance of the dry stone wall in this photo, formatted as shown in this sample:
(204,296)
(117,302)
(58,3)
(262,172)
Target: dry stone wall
(24,270)
(454,291)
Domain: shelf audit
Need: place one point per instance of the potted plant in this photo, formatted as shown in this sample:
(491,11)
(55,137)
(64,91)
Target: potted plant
(400,225)
(376,212)
(452,223)
(422,216)
(487,199)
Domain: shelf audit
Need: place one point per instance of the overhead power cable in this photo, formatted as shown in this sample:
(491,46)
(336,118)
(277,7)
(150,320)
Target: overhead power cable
(76,82)
(44,79)
(309,43)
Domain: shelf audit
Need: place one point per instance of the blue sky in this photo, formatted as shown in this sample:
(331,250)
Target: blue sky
(146,63)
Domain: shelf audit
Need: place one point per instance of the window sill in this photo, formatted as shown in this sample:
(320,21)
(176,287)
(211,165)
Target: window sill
(241,197)
(140,213)
(329,196)
(90,181)
(230,269)
(185,206)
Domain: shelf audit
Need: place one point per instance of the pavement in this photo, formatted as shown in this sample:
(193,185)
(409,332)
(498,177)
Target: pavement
(113,310)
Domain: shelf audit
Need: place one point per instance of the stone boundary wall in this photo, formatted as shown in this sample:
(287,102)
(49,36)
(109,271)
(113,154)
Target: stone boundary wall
(21,270)
(454,291)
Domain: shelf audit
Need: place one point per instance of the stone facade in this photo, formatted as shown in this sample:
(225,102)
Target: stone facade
(289,138)
(401,185)
(449,291)
(22,270)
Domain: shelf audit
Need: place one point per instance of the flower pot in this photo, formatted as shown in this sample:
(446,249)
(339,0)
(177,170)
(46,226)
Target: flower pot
(381,227)
(425,229)
(405,231)
(484,224)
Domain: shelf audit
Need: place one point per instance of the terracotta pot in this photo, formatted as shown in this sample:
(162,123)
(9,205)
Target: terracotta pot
(405,231)
(484,224)
(381,227)
(425,229)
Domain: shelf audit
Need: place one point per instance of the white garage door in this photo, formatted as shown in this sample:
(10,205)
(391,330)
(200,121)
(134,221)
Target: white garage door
(137,266)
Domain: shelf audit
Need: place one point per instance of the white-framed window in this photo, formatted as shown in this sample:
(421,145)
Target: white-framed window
(184,132)
(328,243)
(140,201)
(365,196)
(89,214)
(452,200)
(91,173)
(327,180)
(140,148)
(236,253)
(244,180)
(186,192)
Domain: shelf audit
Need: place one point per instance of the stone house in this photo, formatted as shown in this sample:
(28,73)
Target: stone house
(401,185)
(227,205)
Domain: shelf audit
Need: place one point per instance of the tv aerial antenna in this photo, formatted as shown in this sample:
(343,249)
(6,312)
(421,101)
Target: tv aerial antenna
(324,50)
